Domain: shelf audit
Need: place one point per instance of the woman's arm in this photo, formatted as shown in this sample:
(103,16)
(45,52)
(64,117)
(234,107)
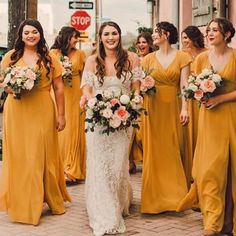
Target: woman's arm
(184,118)
(222,98)
(58,88)
(135,65)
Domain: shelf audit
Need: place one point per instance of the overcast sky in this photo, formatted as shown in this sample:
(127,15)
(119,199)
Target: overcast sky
(126,13)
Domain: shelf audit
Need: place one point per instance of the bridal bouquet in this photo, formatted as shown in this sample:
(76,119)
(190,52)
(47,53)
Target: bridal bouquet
(19,78)
(112,111)
(67,70)
(147,84)
(201,87)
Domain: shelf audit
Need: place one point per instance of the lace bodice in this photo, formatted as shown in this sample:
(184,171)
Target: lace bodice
(112,83)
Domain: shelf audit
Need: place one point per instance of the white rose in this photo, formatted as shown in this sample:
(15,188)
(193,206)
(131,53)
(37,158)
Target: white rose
(124,99)
(206,72)
(92,102)
(29,84)
(89,113)
(193,87)
(115,122)
(107,113)
(216,78)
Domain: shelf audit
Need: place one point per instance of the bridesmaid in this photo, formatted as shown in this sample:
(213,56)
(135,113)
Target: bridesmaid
(72,138)
(215,152)
(144,46)
(163,181)
(32,168)
(193,43)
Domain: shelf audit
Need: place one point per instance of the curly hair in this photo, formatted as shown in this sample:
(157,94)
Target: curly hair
(62,41)
(42,48)
(164,27)
(148,37)
(225,26)
(195,35)
(122,64)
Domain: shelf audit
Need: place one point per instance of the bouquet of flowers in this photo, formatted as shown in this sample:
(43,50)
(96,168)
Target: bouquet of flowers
(147,84)
(112,111)
(67,70)
(201,87)
(20,78)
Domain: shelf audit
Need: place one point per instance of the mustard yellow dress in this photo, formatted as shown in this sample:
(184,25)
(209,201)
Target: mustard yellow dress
(32,168)
(72,138)
(193,111)
(216,145)
(163,180)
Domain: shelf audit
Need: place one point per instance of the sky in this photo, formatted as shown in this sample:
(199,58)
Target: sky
(126,13)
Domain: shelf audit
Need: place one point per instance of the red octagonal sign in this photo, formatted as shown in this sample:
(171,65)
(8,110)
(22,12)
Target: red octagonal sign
(80,20)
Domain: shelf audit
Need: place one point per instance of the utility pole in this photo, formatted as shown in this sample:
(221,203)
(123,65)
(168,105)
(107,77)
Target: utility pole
(17,12)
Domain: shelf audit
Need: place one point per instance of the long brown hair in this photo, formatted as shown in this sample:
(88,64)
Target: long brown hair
(42,48)
(122,64)
(62,40)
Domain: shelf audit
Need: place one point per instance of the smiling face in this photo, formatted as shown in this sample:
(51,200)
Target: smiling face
(159,37)
(142,46)
(110,37)
(214,35)
(186,41)
(30,36)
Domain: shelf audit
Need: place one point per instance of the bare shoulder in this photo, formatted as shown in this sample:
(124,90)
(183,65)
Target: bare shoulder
(132,56)
(134,59)
(91,59)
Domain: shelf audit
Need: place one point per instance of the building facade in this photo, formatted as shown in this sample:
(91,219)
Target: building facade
(192,12)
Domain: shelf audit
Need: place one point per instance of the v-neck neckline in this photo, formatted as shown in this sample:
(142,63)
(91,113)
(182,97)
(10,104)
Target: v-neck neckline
(172,61)
(224,67)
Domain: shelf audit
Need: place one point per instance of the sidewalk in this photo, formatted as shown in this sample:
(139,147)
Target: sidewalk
(75,221)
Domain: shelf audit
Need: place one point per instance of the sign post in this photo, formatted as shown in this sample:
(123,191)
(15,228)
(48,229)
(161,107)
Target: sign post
(80,5)
(80,20)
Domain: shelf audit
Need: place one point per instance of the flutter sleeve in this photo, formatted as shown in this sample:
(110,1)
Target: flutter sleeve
(88,78)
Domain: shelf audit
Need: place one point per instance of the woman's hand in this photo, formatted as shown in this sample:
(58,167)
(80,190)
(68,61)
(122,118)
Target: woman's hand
(184,118)
(61,123)
(212,102)
(8,90)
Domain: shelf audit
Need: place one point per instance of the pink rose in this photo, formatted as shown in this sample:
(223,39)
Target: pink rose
(114,101)
(148,82)
(198,94)
(114,122)
(83,101)
(30,74)
(122,113)
(207,85)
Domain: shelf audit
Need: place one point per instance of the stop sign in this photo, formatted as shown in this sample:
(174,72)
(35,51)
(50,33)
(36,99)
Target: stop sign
(80,20)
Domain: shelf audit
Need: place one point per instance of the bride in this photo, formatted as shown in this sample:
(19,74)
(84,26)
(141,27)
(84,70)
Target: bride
(108,189)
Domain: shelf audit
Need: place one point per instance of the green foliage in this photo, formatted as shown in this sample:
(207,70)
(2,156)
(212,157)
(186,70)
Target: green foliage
(142,29)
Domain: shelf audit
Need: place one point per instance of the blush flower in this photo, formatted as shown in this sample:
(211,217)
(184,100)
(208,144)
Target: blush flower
(198,95)
(207,85)
(122,113)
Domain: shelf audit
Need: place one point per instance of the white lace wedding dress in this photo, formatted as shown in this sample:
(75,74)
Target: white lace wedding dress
(108,188)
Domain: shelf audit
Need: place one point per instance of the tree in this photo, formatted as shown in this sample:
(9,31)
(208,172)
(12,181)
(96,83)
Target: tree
(17,12)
